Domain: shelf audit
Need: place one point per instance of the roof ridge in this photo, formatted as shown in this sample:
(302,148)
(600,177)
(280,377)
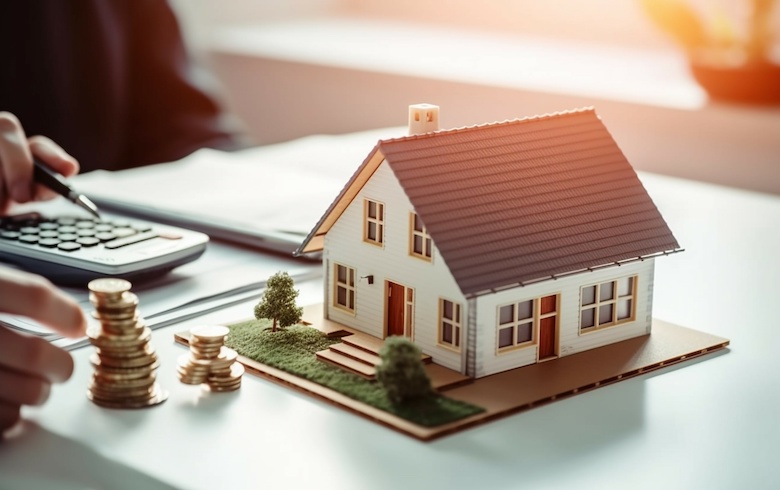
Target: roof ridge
(506,122)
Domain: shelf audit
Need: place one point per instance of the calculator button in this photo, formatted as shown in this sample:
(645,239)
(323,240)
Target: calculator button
(103,227)
(123,232)
(48,234)
(88,241)
(66,221)
(69,246)
(68,229)
(29,239)
(48,226)
(28,230)
(9,235)
(105,236)
(48,242)
(85,224)
(68,237)
(139,227)
(120,224)
(129,240)
(85,232)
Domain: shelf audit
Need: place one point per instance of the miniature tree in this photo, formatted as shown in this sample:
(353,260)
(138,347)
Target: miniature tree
(401,371)
(278,302)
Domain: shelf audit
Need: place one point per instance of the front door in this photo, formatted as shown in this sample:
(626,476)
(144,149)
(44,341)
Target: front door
(394,308)
(548,319)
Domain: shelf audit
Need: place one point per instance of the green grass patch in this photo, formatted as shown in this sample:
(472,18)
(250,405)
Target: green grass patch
(292,350)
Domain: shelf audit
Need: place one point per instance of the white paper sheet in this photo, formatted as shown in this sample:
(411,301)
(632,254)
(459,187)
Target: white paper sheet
(278,191)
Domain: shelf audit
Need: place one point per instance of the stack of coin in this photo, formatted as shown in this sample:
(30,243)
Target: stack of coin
(209,361)
(125,362)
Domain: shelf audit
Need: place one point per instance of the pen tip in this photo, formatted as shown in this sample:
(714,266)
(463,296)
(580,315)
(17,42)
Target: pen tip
(85,203)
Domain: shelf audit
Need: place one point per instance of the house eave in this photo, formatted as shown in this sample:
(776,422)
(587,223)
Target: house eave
(314,241)
(571,273)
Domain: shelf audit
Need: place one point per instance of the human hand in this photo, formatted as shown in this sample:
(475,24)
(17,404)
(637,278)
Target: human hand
(16,167)
(29,365)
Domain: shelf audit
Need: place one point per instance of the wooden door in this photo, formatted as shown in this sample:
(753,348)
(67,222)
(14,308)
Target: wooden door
(548,344)
(395,308)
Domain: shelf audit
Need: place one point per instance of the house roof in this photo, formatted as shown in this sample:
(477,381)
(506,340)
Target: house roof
(519,201)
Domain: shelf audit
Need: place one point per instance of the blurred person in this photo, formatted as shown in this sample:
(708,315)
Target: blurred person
(100,84)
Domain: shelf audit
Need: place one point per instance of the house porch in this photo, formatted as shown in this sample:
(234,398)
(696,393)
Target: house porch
(358,352)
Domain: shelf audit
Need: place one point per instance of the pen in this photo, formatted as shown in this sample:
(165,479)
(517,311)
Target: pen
(56,182)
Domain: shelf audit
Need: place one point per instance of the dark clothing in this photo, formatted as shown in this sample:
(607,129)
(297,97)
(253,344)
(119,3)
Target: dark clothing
(108,80)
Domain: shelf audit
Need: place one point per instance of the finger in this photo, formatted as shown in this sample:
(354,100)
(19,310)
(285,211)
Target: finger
(15,159)
(33,356)
(22,389)
(35,297)
(56,158)
(9,416)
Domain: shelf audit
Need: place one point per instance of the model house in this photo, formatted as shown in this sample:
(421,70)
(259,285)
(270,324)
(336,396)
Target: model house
(494,246)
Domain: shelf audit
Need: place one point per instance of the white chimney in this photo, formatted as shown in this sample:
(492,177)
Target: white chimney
(423,118)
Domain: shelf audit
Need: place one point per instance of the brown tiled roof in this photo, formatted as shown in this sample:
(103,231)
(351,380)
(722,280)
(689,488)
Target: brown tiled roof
(514,202)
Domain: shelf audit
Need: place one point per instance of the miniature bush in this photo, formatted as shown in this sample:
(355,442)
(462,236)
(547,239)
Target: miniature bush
(278,302)
(401,371)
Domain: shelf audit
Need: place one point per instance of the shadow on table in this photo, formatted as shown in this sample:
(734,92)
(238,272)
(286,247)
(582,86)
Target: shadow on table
(32,457)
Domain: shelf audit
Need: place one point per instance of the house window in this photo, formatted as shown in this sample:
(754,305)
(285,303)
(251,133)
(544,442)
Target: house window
(449,323)
(419,239)
(515,324)
(607,304)
(344,285)
(374,222)
(519,322)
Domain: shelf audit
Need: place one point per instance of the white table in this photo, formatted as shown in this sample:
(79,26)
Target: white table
(712,423)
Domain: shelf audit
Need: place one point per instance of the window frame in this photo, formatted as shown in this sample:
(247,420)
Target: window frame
(378,221)
(351,273)
(515,323)
(425,237)
(456,323)
(614,301)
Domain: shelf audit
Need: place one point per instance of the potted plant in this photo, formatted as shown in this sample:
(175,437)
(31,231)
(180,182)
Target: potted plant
(732,61)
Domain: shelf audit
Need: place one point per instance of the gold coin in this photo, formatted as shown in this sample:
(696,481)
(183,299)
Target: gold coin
(236,371)
(224,389)
(107,393)
(100,338)
(110,286)
(123,300)
(125,374)
(103,377)
(145,359)
(155,397)
(122,327)
(209,332)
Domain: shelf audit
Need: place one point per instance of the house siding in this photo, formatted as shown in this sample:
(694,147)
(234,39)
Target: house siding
(391,262)
(570,340)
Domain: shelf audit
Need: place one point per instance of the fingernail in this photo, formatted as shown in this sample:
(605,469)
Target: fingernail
(21,192)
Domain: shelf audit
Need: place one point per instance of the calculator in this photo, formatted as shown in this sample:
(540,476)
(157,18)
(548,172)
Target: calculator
(72,250)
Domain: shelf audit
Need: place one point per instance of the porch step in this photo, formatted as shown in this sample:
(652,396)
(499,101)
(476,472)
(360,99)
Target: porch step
(360,355)
(347,363)
(363,342)
(372,345)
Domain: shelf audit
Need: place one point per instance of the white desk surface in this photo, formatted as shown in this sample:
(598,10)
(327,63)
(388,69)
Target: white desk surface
(712,423)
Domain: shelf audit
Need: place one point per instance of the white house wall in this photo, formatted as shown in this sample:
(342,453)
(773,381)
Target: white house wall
(570,340)
(430,280)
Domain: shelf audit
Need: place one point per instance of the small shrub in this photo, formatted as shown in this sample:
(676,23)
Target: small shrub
(401,371)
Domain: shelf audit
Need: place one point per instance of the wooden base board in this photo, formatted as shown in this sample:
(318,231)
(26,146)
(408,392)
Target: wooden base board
(524,388)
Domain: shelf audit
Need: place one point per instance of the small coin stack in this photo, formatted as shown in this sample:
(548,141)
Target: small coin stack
(209,361)
(125,362)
